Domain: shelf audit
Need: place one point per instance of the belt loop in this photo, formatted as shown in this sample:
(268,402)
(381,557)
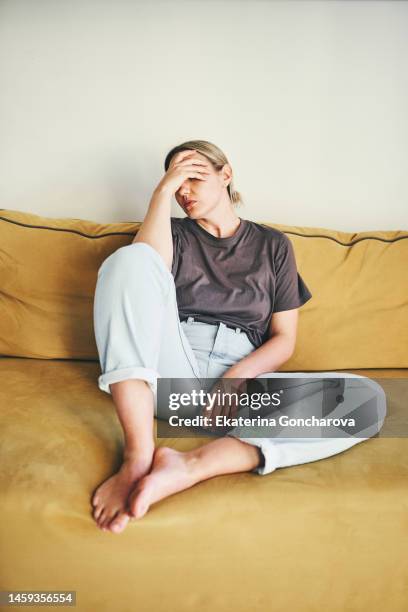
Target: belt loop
(190,320)
(237,330)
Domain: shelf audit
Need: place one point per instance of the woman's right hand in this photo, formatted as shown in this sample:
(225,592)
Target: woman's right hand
(183,165)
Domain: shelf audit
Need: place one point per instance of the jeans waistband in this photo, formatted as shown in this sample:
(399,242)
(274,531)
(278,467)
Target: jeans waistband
(234,327)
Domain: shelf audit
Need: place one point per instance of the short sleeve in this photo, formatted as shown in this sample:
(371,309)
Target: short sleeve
(290,289)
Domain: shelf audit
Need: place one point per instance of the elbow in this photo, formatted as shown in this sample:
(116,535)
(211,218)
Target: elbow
(290,345)
(291,349)
(286,356)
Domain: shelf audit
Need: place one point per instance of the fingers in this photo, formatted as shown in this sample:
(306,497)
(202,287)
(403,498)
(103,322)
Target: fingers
(188,159)
(180,156)
(205,413)
(227,408)
(195,173)
(195,168)
(194,164)
(185,153)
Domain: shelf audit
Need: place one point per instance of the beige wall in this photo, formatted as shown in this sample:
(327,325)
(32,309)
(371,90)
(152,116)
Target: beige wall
(308,99)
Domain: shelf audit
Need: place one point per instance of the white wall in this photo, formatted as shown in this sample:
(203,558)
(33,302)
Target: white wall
(308,100)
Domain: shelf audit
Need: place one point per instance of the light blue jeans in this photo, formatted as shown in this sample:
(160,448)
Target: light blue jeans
(139,335)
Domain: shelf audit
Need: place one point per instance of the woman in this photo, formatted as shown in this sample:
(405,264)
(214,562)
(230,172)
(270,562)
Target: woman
(192,298)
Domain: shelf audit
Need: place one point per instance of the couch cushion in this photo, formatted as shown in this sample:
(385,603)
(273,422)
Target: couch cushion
(327,535)
(357,317)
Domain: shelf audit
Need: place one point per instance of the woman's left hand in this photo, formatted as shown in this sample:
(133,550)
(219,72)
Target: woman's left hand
(229,409)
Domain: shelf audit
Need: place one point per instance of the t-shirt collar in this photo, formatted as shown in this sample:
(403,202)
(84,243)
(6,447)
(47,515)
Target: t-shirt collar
(207,237)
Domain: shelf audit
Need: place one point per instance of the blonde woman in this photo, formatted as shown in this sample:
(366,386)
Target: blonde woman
(205,296)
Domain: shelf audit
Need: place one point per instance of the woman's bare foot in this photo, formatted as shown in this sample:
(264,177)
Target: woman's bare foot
(109,500)
(172,471)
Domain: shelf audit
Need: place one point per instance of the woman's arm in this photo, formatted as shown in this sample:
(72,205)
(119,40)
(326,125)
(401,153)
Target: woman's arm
(156,227)
(274,352)
(267,358)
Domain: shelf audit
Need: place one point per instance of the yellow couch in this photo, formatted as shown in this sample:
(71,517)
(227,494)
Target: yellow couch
(327,535)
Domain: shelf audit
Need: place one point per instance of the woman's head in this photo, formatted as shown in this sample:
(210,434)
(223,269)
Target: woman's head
(219,186)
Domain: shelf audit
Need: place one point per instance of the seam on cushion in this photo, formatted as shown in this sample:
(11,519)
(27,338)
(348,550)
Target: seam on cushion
(61,229)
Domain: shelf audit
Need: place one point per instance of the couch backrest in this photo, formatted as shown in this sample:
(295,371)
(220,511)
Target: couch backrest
(357,317)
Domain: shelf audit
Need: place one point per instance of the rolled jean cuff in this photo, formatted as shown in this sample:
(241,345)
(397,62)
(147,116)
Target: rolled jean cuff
(147,374)
(269,451)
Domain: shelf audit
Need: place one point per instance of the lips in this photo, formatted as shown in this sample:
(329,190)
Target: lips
(190,203)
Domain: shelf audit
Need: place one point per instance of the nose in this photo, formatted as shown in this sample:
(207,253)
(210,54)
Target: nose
(184,189)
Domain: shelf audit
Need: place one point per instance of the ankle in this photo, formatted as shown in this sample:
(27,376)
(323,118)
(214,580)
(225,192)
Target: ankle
(194,464)
(138,454)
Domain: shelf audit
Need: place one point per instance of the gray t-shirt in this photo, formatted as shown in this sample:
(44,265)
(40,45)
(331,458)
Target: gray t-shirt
(240,280)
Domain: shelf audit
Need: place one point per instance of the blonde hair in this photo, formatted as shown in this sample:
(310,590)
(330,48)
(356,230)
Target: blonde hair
(214,154)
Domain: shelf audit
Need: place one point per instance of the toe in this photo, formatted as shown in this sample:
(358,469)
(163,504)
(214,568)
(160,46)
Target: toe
(138,506)
(113,517)
(135,499)
(141,509)
(95,500)
(132,505)
(107,519)
(97,512)
(119,522)
(102,518)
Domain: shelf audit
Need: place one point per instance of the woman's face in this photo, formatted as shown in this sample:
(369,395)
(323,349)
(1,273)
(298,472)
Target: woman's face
(207,194)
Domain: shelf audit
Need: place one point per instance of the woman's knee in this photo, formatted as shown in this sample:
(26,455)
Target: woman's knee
(133,258)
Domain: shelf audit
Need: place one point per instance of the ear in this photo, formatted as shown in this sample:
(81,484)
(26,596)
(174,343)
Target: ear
(226,173)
